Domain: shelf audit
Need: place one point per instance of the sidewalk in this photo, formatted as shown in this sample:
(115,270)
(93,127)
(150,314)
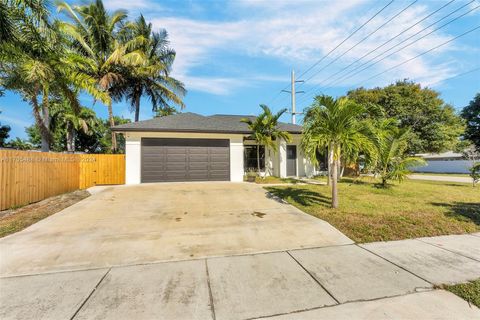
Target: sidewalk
(383,280)
(440,178)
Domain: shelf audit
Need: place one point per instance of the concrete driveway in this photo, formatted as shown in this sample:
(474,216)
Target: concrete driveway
(129,225)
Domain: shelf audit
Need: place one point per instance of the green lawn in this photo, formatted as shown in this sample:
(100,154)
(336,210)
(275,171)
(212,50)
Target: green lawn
(414,208)
(468,291)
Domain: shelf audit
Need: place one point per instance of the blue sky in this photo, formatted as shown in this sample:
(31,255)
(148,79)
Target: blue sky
(234,55)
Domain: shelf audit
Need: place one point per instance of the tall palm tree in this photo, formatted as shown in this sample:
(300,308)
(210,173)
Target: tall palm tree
(335,124)
(32,62)
(100,59)
(151,78)
(265,130)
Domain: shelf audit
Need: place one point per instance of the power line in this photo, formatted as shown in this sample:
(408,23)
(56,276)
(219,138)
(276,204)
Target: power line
(335,48)
(388,41)
(353,33)
(349,74)
(362,40)
(419,55)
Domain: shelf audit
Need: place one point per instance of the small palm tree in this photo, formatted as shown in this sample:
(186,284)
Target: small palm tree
(265,130)
(151,78)
(335,124)
(165,111)
(73,122)
(392,163)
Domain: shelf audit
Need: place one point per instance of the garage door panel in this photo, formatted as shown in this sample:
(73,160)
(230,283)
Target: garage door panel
(185,159)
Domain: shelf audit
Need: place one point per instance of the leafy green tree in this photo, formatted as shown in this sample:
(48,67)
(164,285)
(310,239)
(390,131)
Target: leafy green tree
(100,60)
(471,114)
(434,126)
(151,78)
(4,130)
(335,124)
(265,130)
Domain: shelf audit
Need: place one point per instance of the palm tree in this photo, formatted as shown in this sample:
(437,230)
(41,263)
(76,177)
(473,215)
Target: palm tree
(265,130)
(165,111)
(32,62)
(335,124)
(100,59)
(392,163)
(64,116)
(151,78)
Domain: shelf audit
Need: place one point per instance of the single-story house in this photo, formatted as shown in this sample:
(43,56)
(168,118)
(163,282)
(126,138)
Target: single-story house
(446,162)
(193,147)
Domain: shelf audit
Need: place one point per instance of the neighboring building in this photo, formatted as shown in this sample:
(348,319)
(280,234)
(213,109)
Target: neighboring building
(447,162)
(192,147)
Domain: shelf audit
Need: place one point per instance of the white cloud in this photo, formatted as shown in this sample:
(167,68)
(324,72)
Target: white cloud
(6,120)
(299,34)
(131,5)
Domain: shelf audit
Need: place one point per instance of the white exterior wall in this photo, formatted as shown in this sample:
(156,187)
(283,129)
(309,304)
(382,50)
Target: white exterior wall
(133,151)
(304,167)
(445,166)
(236,159)
(132,160)
(282,159)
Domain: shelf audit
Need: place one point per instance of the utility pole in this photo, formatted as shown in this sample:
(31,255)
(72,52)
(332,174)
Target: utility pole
(293,92)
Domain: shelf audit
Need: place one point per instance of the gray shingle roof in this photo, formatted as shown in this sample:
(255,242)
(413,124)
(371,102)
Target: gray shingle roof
(192,122)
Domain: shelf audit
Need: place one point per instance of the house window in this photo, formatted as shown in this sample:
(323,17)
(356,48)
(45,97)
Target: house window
(250,157)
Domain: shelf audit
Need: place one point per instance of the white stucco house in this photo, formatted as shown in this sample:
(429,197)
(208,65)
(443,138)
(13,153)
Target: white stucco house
(193,147)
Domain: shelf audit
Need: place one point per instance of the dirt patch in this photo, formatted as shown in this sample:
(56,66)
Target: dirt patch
(14,220)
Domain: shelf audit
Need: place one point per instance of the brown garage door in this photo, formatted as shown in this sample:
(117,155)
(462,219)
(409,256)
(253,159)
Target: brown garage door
(165,159)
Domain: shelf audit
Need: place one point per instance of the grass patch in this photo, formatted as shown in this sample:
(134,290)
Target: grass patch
(17,219)
(414,208)
(273,180)
(468,291)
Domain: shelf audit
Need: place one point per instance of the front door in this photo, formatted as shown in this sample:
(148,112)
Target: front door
(291,161)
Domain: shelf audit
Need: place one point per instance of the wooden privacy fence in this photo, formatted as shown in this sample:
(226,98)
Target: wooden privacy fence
(27,176)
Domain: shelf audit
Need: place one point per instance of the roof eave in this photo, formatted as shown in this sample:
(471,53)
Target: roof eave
(120,130)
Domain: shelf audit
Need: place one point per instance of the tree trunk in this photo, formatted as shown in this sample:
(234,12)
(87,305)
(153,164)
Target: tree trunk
(46,139)
(334,184)
(112,123)
(342,170)
(258,159)
(137,109)
(70,138)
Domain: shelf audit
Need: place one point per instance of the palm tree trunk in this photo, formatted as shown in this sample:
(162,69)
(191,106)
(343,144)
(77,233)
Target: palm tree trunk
(334,184)
(70,138)
(137,108)
(112,124)
(329,164)
(42,121)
